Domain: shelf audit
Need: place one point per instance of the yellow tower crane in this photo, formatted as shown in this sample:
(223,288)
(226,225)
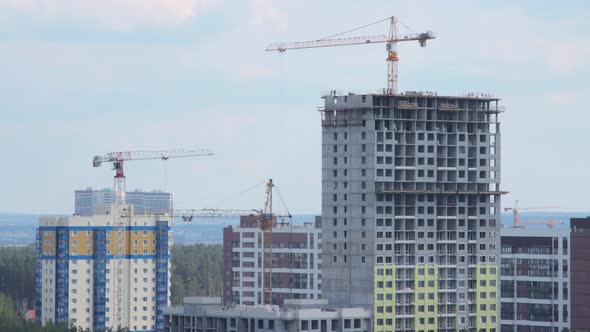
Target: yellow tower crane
(266,221)
(390,40)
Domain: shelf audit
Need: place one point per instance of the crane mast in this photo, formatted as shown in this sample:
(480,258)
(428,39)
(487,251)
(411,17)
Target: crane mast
(121,213)
(390,40)
(266,224)
(516,211)
(266,219)
(392,58)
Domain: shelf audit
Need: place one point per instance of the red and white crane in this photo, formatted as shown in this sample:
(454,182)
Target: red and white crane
(120,212)
(118,159)
(516,210)
(549,223)
(390,41)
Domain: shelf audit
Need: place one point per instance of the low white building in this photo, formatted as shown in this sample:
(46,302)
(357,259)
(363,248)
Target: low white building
(206,314)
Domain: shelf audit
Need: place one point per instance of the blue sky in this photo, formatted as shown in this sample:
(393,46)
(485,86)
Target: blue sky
(84,78)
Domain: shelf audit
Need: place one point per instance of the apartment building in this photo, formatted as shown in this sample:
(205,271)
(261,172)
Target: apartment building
(411,208)
(208,315)
(144,202)
(580,274)
(77,279)
(535,280)
(296,270)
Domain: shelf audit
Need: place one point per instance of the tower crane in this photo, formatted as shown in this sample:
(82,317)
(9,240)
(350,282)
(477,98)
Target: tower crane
(266,221)
(549,223)
(516,209)
(390,41)
(121,211)
(118,158)
(190,214)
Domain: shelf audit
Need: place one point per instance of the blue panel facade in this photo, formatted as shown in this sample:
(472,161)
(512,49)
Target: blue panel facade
(38,279)
(62,275)
(162,256)
(100,279)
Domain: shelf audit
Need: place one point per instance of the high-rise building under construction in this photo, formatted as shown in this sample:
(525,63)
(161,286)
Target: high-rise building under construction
(411,208)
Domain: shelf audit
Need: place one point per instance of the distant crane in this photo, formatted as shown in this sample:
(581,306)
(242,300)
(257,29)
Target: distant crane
(266,222)
(120,212)
(391,45)
(190,214)
(516,209)
(549,223)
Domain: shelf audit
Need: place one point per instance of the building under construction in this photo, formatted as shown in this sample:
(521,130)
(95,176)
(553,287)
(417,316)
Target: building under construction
(411,208)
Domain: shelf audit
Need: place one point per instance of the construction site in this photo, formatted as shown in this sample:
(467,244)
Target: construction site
(409,237)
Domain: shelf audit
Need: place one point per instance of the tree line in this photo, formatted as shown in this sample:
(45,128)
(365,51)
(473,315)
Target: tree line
(196,271)
(17,275)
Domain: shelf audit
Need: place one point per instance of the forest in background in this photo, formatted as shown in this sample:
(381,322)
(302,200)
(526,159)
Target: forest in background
(196,271)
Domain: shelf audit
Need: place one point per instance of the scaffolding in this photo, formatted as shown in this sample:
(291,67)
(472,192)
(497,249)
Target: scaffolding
(62,275)
(38,279)
(162,261)
(119,256)
(99,289)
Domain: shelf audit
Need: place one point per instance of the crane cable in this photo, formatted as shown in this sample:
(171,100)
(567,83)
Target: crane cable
(283,203)
(361,27)
(238,194)
(368,25)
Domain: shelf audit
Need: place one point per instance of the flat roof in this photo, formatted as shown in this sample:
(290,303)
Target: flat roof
(425,94)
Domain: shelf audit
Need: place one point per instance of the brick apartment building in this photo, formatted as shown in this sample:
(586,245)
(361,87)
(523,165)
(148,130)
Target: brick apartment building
(296,262)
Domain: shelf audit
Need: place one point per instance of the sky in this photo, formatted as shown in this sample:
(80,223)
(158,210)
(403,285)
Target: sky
(84,78)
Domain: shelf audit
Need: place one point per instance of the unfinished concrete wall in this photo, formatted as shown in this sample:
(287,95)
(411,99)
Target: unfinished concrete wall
(412,180)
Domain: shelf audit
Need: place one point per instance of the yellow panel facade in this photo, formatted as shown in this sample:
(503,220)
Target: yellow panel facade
(384,298)
(487,296)
(426,297)
(48,242)
(81,243)
(113,241)
(135,242)
(143,240)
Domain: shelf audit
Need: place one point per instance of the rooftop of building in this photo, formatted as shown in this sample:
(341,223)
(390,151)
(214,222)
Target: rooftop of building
(533,232)
(103,217)
(279,224)
(282,226)
(383,92)
(292,309)
(580,225)
(110,190)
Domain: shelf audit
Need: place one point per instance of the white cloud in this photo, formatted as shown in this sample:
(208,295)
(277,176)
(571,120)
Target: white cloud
(564,98)
(266,12)
(565,57)
(503,34)
(119,15)
(253,72)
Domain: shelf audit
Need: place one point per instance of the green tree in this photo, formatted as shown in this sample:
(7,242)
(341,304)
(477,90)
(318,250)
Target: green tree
(17,291)
(197,270)
(17,275)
